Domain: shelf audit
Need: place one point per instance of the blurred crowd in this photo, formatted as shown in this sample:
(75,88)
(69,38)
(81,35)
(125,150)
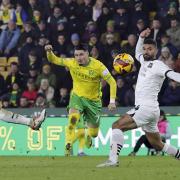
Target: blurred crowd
(108,27)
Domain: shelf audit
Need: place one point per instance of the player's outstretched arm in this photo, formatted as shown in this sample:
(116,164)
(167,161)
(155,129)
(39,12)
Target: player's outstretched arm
(52,57)
(173,75)
(113,88)
(139,45)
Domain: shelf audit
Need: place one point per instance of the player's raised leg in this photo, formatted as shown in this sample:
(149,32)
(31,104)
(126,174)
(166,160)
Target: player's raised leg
(156,142)
(125,123)
(34,123)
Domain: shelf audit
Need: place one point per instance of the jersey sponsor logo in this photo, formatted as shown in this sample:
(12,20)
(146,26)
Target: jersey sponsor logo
(84,76)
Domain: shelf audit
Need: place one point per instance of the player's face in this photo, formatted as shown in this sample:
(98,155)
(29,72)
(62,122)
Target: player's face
(149,52)
(81,56)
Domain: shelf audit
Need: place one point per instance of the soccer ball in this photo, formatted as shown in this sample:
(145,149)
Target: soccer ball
(123,63)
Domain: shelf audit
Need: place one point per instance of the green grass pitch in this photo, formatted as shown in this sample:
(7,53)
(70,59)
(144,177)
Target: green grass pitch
(84,168)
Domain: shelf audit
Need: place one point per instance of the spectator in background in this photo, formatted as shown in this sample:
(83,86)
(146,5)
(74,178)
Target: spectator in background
(24,53)
(33,4)
(107,49)
(75,40)
(41,101)
(48,91)
(121,19)
(14,77)
(74,25)
(62,99)
(93,41)
(42,29)
(28,32)
(15,94)
(37,16)
(6,103)
(69,8)
(49,6)
(110,28)
(47,74)
(23,102)
(121,91)
(42,41)
(130,46)
(56,18)
(6,13)
(2,86)
(171,14)
(104,17)
(20,16)
(138,13)
(32,73)
(156,31)
(9,39)
(174,33)
(61,29)
(140,26)
(85,12)
(165,42)
(90,29)
(95,53)
(130,96)
(30,93)
(167,57)
(33,59)
(97,9)
(60,46)
(171,96)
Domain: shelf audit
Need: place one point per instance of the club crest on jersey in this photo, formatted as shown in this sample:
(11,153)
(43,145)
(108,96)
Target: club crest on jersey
(150,65)
(91,72)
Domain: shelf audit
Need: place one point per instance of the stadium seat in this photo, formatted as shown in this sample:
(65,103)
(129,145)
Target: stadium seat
(4,74)
(152,15)
(124,42)
(13,59)
(3,63)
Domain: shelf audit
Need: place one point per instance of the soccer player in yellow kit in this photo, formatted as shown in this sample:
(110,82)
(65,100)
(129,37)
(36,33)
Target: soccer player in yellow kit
(85,102)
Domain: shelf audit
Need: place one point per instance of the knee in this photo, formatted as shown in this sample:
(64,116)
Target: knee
(73,119)
(117,125)
(157,145)
(93,132)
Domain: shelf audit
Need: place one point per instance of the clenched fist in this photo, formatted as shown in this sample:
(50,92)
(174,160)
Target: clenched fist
(112,106)
(145,33)
(48,48)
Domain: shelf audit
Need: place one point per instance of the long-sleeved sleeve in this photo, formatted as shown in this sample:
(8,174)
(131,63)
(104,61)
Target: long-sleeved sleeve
(139,50)
(173,75)
(106,75)
(58,60)
(2,39)
(14,39)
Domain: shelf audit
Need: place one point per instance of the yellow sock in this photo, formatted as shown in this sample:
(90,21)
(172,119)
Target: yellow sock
(81,139)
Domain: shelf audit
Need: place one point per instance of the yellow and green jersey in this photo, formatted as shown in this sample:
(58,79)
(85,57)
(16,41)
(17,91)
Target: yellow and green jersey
(86,79)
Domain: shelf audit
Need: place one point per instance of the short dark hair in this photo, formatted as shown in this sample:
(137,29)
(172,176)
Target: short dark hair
(82,46)
(150,41)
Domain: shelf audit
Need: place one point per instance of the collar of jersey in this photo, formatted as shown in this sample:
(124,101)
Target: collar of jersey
(87,63)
